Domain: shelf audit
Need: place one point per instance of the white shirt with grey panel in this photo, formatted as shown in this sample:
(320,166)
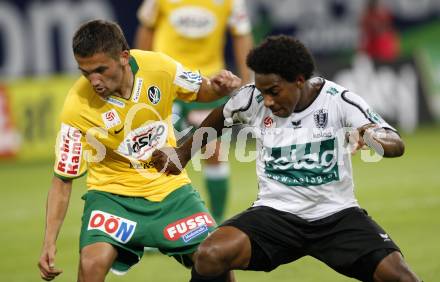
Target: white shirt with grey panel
(303,166)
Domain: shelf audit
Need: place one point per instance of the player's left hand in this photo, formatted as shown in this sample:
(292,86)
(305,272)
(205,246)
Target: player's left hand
(225,82)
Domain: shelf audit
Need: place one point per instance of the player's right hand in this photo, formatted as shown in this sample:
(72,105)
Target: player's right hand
(225,82)
(47,263)
(167,160)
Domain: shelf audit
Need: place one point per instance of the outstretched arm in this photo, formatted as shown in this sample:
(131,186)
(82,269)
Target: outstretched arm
(173,160)
(56,208)
(384,141)
(218,86)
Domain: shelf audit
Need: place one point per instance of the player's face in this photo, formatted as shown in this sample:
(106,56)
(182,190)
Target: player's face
(104,72)
(280,96)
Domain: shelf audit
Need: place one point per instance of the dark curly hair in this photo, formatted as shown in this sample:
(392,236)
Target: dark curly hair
(282,55)
(98,36)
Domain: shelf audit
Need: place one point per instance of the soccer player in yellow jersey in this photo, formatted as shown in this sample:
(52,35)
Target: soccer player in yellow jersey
(194,32)
(114,116)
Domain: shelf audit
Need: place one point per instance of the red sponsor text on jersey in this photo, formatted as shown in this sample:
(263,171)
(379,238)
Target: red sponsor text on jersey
(179,228)
(120,229)
(70,150)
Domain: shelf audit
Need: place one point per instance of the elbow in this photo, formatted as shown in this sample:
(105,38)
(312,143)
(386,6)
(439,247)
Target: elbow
(398,149)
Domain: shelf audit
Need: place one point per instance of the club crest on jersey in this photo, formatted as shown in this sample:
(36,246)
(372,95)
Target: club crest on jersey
(154,94)
(321,118)
(141,142)
(268,122)
(119,228)
(189,227)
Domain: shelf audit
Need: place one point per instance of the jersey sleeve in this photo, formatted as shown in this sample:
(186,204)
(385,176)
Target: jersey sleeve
(69,148)
(356,112)
(148,12)
(242,107)
(238,21)
(187,83)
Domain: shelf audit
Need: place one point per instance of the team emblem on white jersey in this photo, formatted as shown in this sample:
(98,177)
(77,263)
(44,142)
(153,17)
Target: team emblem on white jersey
(321,118)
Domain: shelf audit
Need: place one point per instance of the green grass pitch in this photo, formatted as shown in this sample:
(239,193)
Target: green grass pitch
(402,194)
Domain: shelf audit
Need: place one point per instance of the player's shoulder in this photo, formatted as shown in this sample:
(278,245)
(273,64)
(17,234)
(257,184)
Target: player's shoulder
(328,87)
(343,97)
(150,59)
(78,97)
(247,92)
(246,98)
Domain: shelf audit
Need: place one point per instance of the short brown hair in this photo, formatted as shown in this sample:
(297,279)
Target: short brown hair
(98,36)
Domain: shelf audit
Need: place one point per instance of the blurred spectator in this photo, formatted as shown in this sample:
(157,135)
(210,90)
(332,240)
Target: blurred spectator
(378,37)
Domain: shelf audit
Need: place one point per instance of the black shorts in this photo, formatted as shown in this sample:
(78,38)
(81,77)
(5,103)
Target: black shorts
(349,241)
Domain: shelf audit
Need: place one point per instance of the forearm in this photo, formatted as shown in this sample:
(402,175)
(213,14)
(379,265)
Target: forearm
(385,141)
(218,86)
(214,120)
(56,208)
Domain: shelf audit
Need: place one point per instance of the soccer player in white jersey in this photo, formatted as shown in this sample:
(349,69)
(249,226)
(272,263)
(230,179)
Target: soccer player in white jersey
(305,204)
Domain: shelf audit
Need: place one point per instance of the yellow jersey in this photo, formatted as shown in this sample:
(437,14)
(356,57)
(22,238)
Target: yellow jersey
(194,31)
(113,138)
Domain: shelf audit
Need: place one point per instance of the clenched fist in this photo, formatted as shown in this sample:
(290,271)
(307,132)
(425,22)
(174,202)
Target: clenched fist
(225,82)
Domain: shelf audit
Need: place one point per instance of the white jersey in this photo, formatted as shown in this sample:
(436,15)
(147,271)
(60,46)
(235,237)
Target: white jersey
(303,166)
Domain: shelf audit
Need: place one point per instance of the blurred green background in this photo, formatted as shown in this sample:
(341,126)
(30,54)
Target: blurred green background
(402,194)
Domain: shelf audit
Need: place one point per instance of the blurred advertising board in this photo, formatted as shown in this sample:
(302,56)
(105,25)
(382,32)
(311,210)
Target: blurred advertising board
(395,90)
(35,35)
(9,136)
(34,106)
(429,59)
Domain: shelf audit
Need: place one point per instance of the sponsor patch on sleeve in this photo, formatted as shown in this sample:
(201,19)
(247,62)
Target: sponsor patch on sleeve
(187,79)
(69,151)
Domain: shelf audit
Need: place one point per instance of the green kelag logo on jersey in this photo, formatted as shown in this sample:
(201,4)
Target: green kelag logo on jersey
(307,164)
